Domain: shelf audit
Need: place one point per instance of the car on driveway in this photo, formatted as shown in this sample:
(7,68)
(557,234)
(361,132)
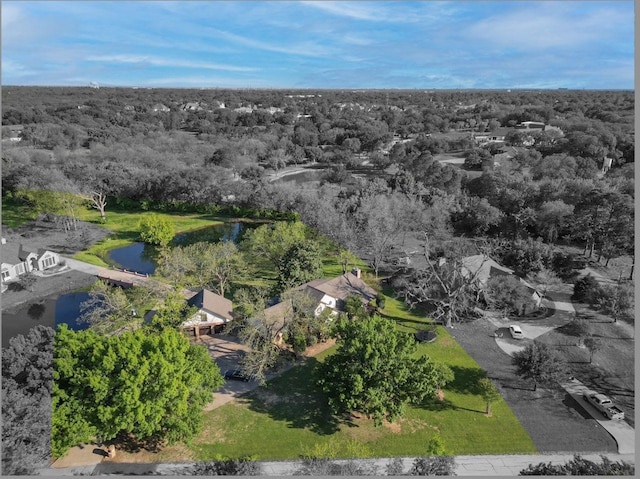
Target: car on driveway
(236,374)
(516,332)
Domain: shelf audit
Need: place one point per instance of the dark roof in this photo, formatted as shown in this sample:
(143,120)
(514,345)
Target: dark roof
(213,303)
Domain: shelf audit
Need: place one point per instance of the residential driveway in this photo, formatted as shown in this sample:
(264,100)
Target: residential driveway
(226,351)
(623,434)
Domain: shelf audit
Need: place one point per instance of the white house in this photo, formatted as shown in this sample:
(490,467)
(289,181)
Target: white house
(214,311)
(16,263)
(324,293)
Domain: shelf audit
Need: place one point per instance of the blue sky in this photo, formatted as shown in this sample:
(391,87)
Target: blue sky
(320,44)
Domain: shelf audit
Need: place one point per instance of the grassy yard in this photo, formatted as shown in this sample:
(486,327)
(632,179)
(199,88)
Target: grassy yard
(289,417)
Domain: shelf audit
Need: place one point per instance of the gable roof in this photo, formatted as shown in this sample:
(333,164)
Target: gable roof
(483,268)
(213,303)
(342,287)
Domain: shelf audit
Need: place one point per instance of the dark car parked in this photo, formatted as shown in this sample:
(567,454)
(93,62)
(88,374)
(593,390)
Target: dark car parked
(236,374)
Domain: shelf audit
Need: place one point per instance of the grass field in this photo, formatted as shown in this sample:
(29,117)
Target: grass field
(289,417)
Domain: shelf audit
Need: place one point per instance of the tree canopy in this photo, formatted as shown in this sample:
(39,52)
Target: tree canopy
(156,229)
(149,386)
(27,382)
(540,363)
(374,370)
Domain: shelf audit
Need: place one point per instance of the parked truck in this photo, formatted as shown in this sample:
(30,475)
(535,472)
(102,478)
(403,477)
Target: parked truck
(603,404)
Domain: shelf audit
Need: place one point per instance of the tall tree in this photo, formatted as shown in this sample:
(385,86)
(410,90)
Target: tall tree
(488,392)
(148,386)
(375,370)
(27,383)
(300,264)
(540,363)
(203,265)
(272,241)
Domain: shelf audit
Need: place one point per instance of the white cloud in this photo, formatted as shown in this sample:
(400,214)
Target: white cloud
(547,25)
(166,62)
(301,48)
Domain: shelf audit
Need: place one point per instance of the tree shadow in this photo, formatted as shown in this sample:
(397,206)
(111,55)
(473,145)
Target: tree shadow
(131,444)
(465,380)
(572,403)
(295,398)
(438,405)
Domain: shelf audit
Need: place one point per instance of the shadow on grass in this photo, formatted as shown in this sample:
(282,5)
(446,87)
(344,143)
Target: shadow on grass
(465,380)
(295,398)
(571,403)
(438,405)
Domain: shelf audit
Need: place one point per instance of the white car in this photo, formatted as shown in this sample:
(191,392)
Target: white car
(516,332)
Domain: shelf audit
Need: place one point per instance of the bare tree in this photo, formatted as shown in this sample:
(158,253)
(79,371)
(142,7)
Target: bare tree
(446,284)
(98,201)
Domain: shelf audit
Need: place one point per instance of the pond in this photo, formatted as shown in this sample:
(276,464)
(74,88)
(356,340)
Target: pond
(142,257)
(49,311)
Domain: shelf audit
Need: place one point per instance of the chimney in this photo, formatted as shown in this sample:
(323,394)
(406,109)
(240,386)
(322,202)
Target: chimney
(356,272)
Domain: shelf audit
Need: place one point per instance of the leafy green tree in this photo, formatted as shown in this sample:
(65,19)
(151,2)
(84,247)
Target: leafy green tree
(149,386)
(156,229)
(27,281)
(616,301)
(488,392)
(593,345)
(346,258)
(585,288)
(579,466)
(27,383)
(552,216)
(545,279)
(507,294)
(444,375)
(375,370)
(272,241)
(109,310)
(173,312)
(300,264)
(540,363)
(203,265)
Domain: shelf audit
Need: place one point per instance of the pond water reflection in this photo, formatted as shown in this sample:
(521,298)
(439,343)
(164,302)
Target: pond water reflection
(49,312)
(142,258)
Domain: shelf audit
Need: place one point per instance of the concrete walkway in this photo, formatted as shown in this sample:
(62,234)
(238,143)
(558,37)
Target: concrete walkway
(488,466)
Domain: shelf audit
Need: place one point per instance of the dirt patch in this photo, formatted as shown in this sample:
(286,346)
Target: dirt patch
(47,231)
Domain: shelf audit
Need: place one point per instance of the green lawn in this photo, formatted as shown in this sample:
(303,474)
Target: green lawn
(289,417)
(124,227)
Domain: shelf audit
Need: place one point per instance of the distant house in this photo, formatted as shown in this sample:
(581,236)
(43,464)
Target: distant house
(496,136)
(13,132)
(160,107)
(192,106)
(482,268)
(214,311)
(531,125)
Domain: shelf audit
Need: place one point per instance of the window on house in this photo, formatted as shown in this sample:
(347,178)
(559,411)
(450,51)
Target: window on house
(5,274)
(203,317)
(19,268)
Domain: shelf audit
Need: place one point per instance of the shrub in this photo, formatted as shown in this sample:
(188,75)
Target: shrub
(584,288)
(156,230)
(227,467)
(432,466)
(581,467)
